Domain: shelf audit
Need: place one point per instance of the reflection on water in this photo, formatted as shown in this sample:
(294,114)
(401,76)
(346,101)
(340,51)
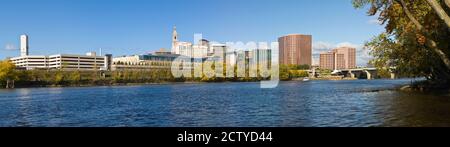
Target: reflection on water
(315,103)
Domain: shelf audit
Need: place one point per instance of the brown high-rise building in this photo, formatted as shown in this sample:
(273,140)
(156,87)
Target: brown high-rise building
(327,60)
(339,58)
(349,57)
(295,49)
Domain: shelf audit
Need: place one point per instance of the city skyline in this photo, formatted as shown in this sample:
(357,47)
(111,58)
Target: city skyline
(122,33)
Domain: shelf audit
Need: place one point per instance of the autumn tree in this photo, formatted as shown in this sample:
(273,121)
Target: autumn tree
(7,73)
(75,77)
(416,38)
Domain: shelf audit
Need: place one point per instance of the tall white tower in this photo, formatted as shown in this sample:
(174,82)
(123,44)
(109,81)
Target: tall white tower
(174,40)
(23,45)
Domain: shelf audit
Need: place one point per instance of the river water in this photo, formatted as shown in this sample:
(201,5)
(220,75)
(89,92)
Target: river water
(358,103)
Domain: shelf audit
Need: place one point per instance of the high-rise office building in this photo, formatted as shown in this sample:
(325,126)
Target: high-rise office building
(339,61)
(199,51)
(339,58)
(327,60)
(184,49)
(262,58)
(295,49)
(24,45)
(349,57)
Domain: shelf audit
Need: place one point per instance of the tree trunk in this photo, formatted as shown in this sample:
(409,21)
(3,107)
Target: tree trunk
(7,84)
(441,53)
(447,2)
(440,11)
(441,74)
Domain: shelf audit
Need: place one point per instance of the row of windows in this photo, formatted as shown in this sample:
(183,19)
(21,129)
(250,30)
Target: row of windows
(65,57)
(79,68)
(33,65)
(65,60)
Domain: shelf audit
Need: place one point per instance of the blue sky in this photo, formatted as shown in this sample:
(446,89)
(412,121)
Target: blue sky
(125,27)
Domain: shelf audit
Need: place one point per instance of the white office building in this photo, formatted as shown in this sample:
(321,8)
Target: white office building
(63,61)
(184,49)
(199,51)
(31,62)
(90,61)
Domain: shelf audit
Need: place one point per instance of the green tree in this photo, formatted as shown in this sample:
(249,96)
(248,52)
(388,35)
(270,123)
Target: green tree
(416,40)
(302,73)
(284,73)
(75,77)
(7,73)
(58,78)
(303,67)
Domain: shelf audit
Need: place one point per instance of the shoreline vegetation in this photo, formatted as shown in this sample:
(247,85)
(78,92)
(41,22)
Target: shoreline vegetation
(10,77)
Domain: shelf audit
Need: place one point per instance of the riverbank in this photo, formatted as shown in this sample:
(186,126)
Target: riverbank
(427,86)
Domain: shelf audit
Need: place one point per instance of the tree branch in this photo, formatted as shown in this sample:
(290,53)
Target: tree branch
(409,14)
(430,43)
(440,11)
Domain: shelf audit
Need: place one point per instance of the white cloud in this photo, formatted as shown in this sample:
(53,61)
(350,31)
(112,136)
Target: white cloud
(320,46)
(362,54)
(374,21)
(10,47)
(348,44)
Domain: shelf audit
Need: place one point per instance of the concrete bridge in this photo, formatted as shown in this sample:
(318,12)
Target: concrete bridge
(360,73)
(369,73)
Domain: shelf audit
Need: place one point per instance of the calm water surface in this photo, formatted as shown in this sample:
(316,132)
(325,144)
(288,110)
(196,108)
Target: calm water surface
(293,104)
